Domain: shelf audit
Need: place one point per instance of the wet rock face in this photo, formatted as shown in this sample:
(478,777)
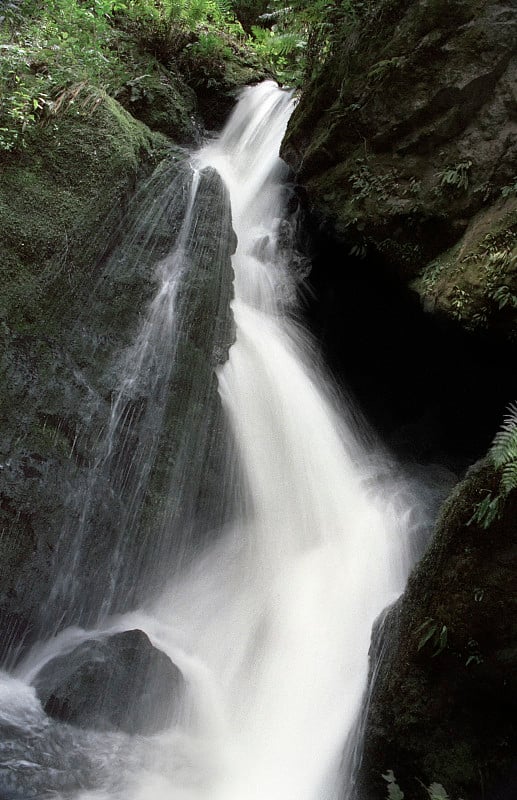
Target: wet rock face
(62,200)
(406,135)
(77,290)
(444,695)
(119,683)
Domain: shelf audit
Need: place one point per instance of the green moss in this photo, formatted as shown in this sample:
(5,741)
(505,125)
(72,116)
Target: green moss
(158,99)
(62,190)
(475,282)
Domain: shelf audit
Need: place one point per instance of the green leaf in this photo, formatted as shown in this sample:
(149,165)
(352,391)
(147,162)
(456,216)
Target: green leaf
(509,479)
(389,777)
(437,792)
(442,641)
(394,790)
(428,634)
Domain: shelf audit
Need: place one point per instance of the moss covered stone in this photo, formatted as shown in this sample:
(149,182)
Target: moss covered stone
(57,198)
(62,200)
(475,282)
(443,703)
(408,133)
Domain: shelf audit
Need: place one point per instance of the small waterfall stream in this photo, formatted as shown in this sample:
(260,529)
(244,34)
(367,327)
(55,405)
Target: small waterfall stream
(270,623)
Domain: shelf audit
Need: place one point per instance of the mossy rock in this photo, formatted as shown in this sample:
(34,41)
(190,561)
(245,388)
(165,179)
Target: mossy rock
(475,282)
(163,102)
(443,702)
(406,134)
(68,186)
(62,199)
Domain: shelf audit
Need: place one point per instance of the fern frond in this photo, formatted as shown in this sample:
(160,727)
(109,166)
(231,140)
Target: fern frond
(504,448)
(287,43)
(509,479)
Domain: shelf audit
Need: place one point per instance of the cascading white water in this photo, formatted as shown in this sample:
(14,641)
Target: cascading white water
(271,625)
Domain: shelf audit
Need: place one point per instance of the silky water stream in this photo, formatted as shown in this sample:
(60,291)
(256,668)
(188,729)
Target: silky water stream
(270,622)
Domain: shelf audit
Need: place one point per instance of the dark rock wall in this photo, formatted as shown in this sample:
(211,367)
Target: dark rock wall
(79,272)
(405,136)
(443,700)
(404,148)
(434,391)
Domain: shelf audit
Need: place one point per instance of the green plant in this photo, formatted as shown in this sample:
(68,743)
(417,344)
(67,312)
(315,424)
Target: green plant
(295,40)
(435,791)
(487,510)
(508,191)
(459,301)
(47,48)
(503,454)
(456,176)
(203,60)
(504,450)
(475,656)
(382,69)
(503,297)
(367,184)
(393,789)
(433,633)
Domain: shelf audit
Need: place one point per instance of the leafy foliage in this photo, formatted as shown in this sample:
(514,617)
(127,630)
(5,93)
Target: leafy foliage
(511,189)
(435,634)
(296,40)
(394,790)
(504,450)
(382,69)
(504,457)
(49,49)
(456,176)
(435,791)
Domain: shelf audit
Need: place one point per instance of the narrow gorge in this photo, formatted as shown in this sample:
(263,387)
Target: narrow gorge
(257,538)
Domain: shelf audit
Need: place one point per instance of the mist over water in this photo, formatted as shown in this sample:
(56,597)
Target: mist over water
(270,624)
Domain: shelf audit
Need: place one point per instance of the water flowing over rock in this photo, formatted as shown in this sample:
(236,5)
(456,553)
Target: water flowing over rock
(223,500)
(159,458)
(57,478)
(118,683)
(56,242)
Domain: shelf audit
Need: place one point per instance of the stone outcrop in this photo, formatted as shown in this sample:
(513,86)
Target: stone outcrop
(120,682)
(81,266)
(444,661)
(62,200)
(405,144)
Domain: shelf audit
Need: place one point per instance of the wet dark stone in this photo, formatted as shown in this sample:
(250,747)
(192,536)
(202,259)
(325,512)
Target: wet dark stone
(120,683)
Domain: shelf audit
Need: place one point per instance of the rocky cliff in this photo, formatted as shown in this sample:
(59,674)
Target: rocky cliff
(84,231)
(406,146)
(444,662)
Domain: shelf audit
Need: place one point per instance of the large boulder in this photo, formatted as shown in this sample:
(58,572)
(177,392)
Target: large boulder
(155,487)
(443,705)
(66,476)
(120,682)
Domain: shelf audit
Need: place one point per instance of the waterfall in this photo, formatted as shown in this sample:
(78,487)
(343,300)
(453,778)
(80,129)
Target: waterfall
(270,622)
